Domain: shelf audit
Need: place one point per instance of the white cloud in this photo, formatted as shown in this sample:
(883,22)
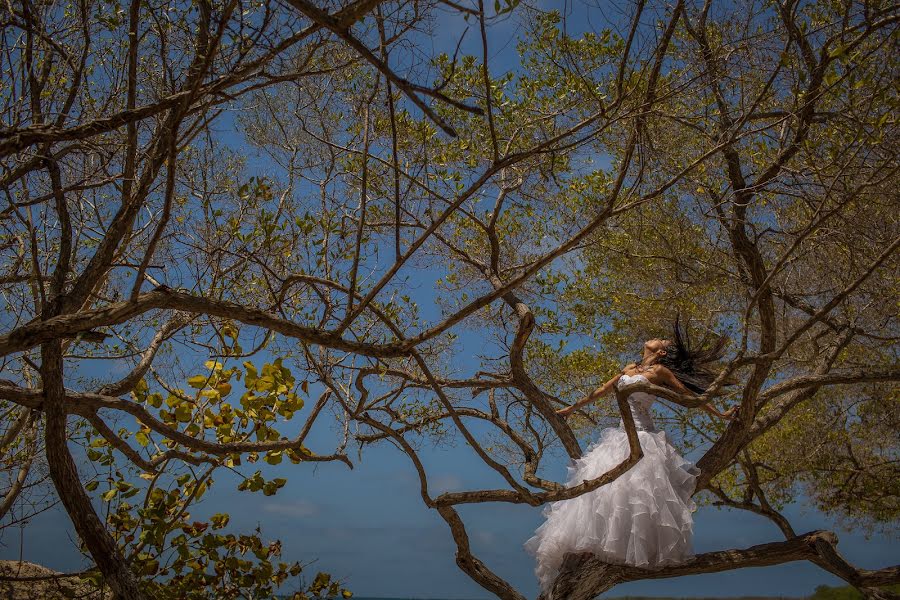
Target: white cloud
(297,508)
(485,537)
(444,483)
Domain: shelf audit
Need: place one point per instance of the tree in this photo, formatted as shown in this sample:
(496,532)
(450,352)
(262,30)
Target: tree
(734,165)
(824,592)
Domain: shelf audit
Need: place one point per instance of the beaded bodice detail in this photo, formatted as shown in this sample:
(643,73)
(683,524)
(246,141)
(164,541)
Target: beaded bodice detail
(640,403)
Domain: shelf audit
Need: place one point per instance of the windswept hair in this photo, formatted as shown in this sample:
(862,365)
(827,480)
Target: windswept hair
(690,363)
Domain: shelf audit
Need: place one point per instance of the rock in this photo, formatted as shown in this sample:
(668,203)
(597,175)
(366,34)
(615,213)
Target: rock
(28,581)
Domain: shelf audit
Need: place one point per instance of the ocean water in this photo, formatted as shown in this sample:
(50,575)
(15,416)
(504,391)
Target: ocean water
(355,597)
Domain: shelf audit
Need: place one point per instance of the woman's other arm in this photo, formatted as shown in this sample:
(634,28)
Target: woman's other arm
(668,378)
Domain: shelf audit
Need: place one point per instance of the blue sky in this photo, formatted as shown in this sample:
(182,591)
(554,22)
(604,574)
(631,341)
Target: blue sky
(369,527)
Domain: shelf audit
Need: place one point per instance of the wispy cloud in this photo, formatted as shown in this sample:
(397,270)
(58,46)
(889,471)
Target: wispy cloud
(444,483)
(485,537)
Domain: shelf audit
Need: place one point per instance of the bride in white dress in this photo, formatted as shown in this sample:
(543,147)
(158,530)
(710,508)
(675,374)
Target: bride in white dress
(643,518)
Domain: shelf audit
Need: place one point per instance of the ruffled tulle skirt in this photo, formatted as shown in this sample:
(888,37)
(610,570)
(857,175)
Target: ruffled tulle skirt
(643,518)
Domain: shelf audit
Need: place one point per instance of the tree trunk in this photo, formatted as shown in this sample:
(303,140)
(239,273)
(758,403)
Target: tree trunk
(65,477)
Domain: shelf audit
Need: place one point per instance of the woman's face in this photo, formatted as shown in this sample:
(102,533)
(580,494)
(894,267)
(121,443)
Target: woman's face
(656,346)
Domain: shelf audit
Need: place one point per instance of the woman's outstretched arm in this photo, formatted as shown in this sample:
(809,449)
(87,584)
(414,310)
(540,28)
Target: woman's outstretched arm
(593,396)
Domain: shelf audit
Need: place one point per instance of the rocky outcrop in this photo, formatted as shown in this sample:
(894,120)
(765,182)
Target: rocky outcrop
(28,581)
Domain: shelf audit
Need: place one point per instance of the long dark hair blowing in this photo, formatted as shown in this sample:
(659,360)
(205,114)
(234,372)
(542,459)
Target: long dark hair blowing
(689,362)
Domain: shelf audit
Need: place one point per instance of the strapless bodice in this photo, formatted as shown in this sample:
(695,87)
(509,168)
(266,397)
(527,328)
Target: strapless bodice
(640,403)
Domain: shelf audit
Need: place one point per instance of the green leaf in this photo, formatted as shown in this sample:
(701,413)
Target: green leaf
(141,388)
(150,567)
(220,520)
(183,413)
(198,381)
(264,384)
(838,51)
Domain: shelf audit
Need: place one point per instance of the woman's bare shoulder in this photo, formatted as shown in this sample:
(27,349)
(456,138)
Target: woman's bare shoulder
(662,373)
(658,374)
(661,369)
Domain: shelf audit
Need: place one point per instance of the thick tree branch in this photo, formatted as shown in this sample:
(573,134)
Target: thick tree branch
(583,576)
(37,332)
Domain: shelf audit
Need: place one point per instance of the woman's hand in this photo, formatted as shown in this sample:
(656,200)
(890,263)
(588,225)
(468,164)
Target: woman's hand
(727,415)
(731,412)
(565,412)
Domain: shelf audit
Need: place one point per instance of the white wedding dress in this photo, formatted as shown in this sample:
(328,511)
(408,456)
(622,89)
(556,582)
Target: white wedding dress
(643,518)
